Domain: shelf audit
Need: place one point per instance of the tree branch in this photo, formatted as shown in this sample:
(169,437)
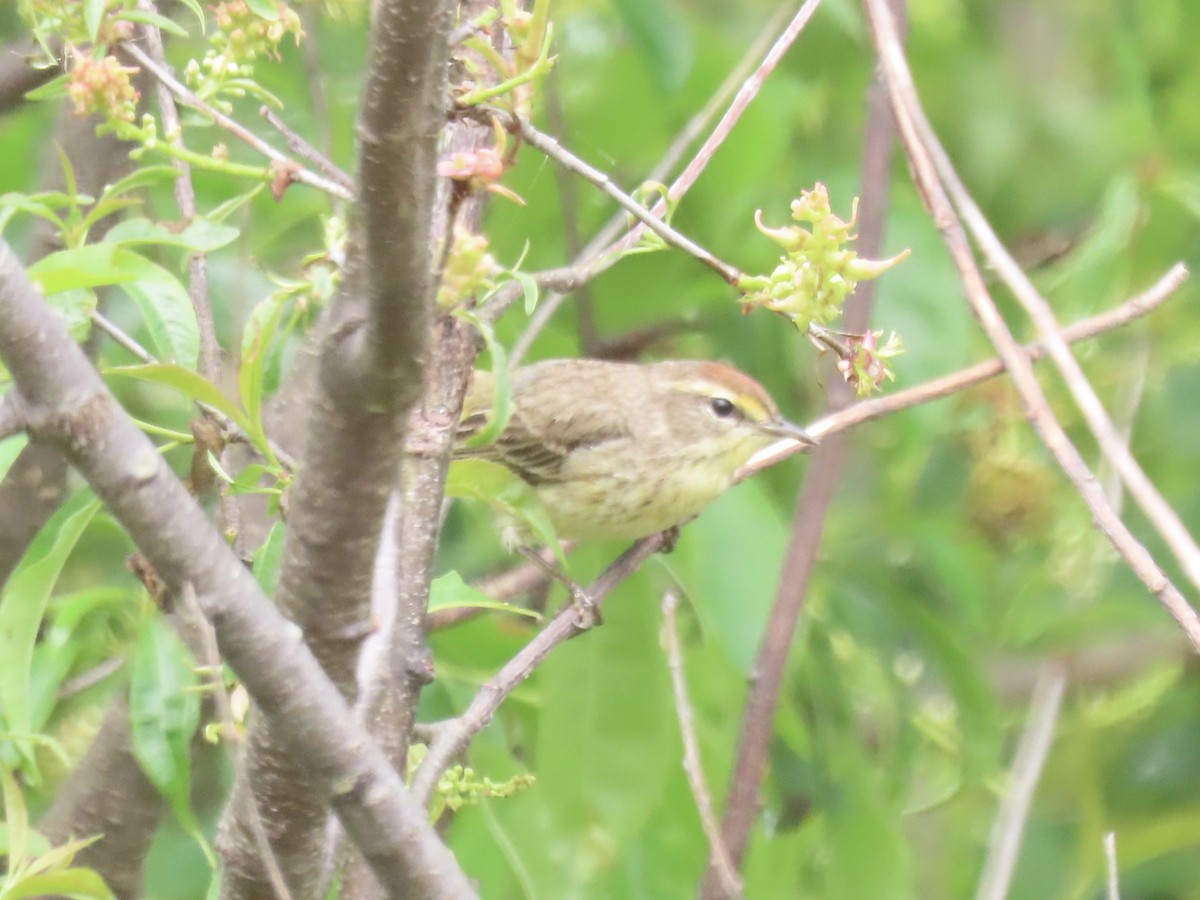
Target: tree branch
(730,883)
(598,253)
(912,125)
(295,171)
(71,407)
(454,736)
(808,522)
(878,407)
(373,341)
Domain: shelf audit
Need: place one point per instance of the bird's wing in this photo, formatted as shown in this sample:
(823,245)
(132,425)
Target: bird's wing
(530,449)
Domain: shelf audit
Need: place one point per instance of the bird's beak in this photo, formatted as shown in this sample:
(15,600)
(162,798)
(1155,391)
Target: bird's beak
(786,430)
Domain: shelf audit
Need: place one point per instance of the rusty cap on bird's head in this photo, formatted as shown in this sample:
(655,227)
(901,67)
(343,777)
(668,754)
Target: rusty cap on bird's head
(713,379)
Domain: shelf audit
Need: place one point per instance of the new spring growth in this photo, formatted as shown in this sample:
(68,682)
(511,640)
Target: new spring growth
(817,272)
(102,85)
(483,168)
(865,368)
(469,270)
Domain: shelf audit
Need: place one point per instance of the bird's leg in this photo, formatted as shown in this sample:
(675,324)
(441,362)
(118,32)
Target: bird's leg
(670,537)
(587,613)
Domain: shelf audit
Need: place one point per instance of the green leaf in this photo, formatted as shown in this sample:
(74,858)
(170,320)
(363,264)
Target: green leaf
(529,286)
(89,266)
(606,734)
(24,600)
(143,177)
(264,9)
(164,711)
(449,591)
(490,482)
(165,306)
(26,204)
(194,6)
(732,602)
(189,383)
(93,12)
(75,308)
(201,236)
(501,409)
(76,883)
(10,449)
(662,37)
(260,330)
(149,18)
(268,558)
(229,207)
(16,816)
(55,654)
(51,90)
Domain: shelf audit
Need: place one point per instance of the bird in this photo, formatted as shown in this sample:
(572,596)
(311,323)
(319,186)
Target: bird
(620,450)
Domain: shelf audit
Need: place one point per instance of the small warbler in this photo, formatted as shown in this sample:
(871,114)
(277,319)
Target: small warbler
(624,450)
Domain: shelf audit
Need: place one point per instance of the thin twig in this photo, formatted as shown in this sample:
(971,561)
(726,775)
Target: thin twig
(723,128)
(692,765)
(1158,511)
(295,171)
(501,587)
(599,247)
(1113,872)
(878,407)
(299,145)
(210,666)
(124,339)
(455,735)
(552,148)
(89,679)
(209,363)
(908,114)
(1032,750)
(808,522)
(12,415)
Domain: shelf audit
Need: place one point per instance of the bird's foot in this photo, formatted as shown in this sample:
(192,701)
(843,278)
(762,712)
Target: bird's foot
(670,537)
(587,611)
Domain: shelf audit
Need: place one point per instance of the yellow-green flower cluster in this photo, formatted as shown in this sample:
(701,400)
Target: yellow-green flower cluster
(102,85)
(817,271)
(242,36)
(459,787)
(469,270)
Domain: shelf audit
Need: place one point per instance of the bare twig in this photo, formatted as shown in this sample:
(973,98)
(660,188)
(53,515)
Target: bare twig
(299,145)
(295,171)
(548,145)
(454,736)
(129,343)
(1113,879)
(723,128)
(808,522)
(1032,749)
(1158,511)
(89,679)
(908,115)
(598,247)
(692,766)
(878,407)
(205,642)
(209,364)
(77,412)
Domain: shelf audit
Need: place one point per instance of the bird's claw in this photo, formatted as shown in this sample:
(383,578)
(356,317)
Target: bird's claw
(587,612)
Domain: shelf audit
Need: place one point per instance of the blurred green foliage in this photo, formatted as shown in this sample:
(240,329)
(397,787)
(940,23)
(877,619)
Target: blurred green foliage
(956,559)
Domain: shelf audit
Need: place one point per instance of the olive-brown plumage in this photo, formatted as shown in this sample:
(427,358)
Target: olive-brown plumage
(624,450)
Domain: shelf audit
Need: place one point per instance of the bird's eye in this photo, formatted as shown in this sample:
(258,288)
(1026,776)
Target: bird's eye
(722,408)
